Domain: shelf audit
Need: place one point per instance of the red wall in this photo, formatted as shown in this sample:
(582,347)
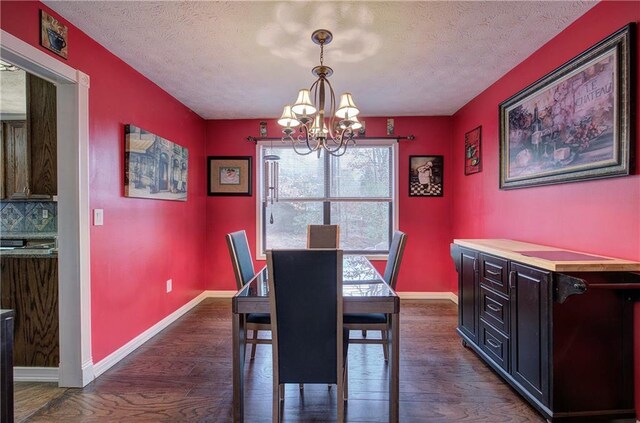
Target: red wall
(143,242)
(426,264)
(601,217)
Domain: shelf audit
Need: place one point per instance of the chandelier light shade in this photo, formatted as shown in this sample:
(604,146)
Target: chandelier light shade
(321,125)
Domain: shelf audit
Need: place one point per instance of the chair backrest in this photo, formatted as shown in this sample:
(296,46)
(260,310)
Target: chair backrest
(305,294)
(396,250)
(240,257)
(323,236)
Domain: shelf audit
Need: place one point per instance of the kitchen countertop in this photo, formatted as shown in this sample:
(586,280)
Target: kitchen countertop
(549,258)
(29,253)
(28,235)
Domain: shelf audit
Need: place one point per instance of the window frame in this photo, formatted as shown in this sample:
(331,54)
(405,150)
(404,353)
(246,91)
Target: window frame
(393,143)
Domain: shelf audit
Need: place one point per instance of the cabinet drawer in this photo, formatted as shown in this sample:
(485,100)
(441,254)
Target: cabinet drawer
(494,273)
(494,309)
(495,345)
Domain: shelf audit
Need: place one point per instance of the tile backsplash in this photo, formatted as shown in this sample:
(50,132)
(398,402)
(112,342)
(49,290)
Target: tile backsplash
(28,216)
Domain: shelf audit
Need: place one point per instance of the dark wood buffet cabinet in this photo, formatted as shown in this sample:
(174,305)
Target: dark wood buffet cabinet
(557,325)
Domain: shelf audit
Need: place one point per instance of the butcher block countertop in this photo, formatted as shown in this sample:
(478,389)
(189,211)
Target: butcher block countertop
(549,258)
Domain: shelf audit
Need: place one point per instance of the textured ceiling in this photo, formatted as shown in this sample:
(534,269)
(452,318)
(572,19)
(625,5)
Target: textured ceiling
(247,59)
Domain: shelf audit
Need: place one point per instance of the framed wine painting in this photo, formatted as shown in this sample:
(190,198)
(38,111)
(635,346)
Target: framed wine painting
(472,151)
(574,123)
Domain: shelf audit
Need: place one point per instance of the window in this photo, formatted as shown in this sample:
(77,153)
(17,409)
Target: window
(355,191)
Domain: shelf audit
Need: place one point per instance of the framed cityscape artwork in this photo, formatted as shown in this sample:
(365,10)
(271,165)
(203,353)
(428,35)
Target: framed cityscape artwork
(229,175)
(154,167)
(426,176)
(472,151)
(574,123)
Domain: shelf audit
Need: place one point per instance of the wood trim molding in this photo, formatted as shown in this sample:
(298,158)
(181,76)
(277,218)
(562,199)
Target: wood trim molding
(35,374)
(113,358)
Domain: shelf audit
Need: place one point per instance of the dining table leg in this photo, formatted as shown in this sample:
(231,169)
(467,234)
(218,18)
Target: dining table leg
(394,368)
(238,350)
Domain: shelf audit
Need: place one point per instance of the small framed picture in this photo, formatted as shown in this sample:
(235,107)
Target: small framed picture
(53,34)
(229,175)
(426,176)
(390,126)
(472,151)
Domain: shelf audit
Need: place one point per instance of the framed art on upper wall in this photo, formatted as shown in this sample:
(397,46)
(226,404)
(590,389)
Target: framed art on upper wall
(53,34)
(574,123)
(229,175)
(426,176)
(472,151)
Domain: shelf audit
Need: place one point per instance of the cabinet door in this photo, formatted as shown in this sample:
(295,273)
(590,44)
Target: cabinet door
(468,293)
(16,159)
(41,115)
(530,321)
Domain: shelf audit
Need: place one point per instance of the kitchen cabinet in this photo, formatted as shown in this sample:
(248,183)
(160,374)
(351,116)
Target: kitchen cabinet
(42,120)
(16,159)
(29,286)
(29,156)
(559,331)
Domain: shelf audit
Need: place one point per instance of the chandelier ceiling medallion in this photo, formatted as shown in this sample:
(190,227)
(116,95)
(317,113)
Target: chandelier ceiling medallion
(332,129)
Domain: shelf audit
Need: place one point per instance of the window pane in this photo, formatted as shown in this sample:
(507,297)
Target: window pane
(290,220)
(363,225)
(362,172)
(300,176)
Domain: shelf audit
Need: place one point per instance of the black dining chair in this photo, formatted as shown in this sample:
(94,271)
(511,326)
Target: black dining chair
(378,321)
(309,340)
(244,272)
(323,236)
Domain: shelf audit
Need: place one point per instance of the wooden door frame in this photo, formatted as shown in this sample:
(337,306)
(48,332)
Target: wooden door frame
(74,256)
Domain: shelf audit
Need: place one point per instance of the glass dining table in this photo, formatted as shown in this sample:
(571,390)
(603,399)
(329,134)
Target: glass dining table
(364,291)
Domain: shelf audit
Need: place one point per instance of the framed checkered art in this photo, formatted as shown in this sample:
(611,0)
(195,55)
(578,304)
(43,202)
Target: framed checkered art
(426,176)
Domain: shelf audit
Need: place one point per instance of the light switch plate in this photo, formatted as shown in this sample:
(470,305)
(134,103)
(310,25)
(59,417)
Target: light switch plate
(45,213)
(98,217)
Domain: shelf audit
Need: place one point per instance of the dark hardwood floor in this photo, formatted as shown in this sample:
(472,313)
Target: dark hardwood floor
(184,375)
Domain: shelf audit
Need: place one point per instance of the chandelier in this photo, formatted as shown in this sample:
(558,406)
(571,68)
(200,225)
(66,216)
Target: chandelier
(316,130)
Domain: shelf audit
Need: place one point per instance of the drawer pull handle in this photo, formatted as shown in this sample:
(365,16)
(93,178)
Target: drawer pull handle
(492,273)
(493,307)
(493,343)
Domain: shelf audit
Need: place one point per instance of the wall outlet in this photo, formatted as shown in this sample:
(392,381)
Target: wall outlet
(169,285)
(98,217)
(45,213)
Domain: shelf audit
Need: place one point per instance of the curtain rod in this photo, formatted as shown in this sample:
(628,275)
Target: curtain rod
(388,137)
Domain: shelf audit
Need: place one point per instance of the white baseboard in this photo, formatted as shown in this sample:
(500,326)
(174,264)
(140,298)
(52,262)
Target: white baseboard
(428,296)
(113,358)
(220,294)
(35,374)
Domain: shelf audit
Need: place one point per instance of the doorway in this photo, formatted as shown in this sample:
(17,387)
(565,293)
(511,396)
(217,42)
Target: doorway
(74,278)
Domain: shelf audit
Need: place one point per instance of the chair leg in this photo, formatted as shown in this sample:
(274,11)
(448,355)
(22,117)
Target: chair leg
(364,333)
(281,392)
(340,394)
(253,347)
(385,345)
(276,403)
(345,381)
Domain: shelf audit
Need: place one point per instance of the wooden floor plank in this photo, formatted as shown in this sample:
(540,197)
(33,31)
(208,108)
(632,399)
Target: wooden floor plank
(184,375)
